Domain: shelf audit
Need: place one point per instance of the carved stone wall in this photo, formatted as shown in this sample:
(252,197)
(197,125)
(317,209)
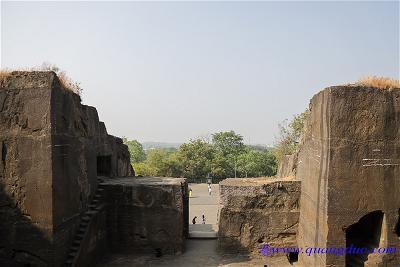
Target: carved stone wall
(257,211)
(147,214)
(349,166)
(50,144)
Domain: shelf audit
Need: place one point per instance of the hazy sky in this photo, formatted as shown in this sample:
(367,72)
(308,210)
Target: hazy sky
(171,71)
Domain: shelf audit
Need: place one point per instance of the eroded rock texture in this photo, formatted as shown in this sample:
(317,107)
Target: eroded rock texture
(349,166)
(147,214)
(52,150)
(257,211)
(287,167)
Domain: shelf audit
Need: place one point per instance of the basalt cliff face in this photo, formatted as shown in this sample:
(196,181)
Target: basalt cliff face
(349,167)
(53,149)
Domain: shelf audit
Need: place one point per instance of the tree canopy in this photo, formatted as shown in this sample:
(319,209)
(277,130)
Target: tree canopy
(224,157)
(136,150)
(289,135)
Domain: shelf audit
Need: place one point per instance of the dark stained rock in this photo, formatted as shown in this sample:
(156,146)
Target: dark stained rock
(147,214)
(50,146)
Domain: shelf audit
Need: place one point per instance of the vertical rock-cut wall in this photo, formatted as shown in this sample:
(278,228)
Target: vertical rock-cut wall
(257,211)
(287,167)
(147,214)
(49,146)
(26,222)
(78,138)
(349,167)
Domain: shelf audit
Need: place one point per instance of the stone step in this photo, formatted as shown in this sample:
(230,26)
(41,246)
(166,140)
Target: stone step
(91,212)
(71,255)
(203,235)
(74,248)
(85,218)
(100,207)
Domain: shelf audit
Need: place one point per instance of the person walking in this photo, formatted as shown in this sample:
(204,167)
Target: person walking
(190,192)
(209,190)
(204,219)
(194,220)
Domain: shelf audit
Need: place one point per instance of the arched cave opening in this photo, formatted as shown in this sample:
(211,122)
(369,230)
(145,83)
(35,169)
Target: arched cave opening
(398,225)
(363,236)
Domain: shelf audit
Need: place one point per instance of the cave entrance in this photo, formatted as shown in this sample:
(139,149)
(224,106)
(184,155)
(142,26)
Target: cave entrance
(104,166)
(366,234)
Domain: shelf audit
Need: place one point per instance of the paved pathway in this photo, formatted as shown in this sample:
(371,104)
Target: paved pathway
(199,253)
(202,203)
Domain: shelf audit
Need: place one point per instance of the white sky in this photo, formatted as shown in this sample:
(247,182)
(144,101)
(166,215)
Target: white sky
(161,71)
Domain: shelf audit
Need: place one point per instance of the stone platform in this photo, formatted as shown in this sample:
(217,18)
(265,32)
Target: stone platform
(147,214)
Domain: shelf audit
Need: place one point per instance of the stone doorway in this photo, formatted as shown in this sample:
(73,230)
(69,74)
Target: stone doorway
(366,233)
(104,166)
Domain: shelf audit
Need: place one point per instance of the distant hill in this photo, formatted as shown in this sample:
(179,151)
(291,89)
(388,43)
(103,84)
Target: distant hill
(260,147)
(155,145)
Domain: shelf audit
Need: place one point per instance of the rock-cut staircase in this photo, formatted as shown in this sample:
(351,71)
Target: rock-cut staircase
(94,207)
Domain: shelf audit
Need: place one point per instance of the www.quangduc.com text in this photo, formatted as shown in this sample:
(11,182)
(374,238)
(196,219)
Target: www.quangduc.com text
(267,250)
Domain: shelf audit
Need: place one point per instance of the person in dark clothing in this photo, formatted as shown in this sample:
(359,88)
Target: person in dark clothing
(194,220)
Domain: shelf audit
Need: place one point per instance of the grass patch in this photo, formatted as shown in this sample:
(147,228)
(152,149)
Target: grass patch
(378,82)
(3,75)
(66,82)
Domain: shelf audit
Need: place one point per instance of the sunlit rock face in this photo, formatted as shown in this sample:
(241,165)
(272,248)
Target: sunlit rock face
(258,211)
(349,167)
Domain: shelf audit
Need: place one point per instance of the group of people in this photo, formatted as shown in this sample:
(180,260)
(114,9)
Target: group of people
(209,190)
(203,218)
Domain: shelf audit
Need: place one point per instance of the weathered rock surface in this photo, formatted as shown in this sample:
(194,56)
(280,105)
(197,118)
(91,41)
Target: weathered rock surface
(147,214)
(52,149)
(349,166)
(287,167)
(256,211)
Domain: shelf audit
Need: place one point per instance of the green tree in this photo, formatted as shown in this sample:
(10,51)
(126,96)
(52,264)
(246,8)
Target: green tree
(289,135)
(221,166)
(196,157)
(255,163)
(164,162)
(144,169)
(136,150)
(228,146)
